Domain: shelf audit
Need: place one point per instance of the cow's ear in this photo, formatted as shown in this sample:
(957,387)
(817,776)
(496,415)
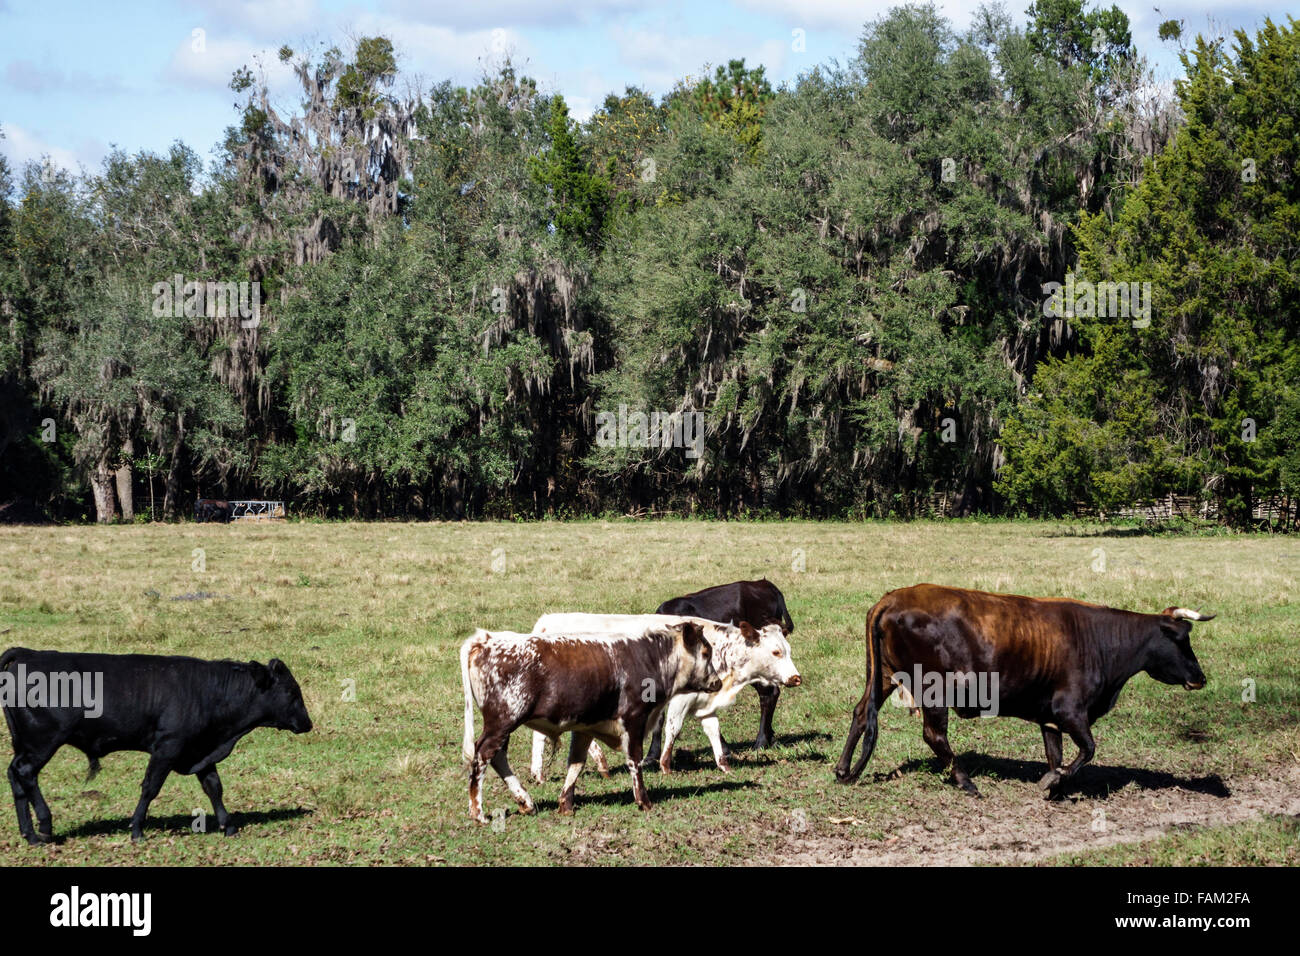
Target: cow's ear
(692,633)
(1175,628)
(748,633)
(277,667)
(261,676)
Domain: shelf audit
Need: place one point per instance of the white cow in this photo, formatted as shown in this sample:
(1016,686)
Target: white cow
(741,655)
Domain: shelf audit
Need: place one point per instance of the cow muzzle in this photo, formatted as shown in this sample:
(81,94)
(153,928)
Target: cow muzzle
(794,680)
(1194,684)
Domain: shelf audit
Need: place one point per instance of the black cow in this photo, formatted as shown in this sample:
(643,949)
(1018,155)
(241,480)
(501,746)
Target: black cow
(213,509)
(187,714)
(758,602)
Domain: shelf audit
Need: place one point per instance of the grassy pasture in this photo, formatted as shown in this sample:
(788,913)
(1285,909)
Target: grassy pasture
(379,781)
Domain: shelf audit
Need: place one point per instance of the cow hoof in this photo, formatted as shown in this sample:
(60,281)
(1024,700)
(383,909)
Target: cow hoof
(38,839)
(231,830)
(643,806)
(527,809)
(969,788)
(137,837)
(762,743)
(724,766)
(664,768)
(1050,780)
(566,809)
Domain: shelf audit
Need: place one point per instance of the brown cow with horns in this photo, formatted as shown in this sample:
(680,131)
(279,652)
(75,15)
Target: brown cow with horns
(1056,662)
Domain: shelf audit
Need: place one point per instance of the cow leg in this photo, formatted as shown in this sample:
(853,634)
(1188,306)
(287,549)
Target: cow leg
(476,789)
(160,764)
(713,731)
(656,729)
(21,804)
(579,744)
(767,698)
(1081,734)
(501,764)
(656,752)
(669,726)
(536,766)
(598,755)
(633,745)
(935,731)
(485,751)
(23,771)
(210,781)
(1052,747)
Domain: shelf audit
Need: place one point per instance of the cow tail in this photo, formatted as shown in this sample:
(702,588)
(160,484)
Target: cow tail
(865,723)
(93,769)
(786,623)
(467,747)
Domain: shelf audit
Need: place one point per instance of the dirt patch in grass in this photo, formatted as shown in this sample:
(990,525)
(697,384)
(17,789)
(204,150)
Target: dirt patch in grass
(1005,827)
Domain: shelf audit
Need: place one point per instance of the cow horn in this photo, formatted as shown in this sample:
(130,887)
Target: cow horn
(1187,614)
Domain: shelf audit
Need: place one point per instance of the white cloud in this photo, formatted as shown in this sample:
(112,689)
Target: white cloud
(440,52)
(28,77)
(659,57)
(276,22)
(211,65)
(487,14)
(849,16)
(22,146)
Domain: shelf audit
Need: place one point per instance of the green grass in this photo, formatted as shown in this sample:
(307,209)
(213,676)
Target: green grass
(387,605)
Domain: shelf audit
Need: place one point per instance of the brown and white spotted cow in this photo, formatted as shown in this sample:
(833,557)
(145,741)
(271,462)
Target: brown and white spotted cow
(742,656)
(595,686)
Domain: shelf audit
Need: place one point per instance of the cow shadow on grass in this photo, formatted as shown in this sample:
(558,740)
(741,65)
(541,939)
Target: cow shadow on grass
(740,758)
(173,824)
(662,790)
(789,740)
(1095,781)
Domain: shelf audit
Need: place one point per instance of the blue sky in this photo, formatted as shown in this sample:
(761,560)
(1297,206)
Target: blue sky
(77,76)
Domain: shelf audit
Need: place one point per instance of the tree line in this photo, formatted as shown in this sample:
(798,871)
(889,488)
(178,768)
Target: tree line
(1003,268)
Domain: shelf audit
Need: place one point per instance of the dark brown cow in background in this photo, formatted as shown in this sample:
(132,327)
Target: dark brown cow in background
(758,602)
(1056,662)
(213,509)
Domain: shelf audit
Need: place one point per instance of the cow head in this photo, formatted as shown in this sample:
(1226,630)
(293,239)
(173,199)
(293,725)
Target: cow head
(281,697)
(696,672)
(767,659)
(1170,658)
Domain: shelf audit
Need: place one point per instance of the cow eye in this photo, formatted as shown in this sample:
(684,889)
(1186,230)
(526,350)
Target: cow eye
(776,653)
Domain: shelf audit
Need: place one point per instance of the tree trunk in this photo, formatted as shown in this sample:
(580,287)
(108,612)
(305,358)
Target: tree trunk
(125,481)
(172,486)
(101,484)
